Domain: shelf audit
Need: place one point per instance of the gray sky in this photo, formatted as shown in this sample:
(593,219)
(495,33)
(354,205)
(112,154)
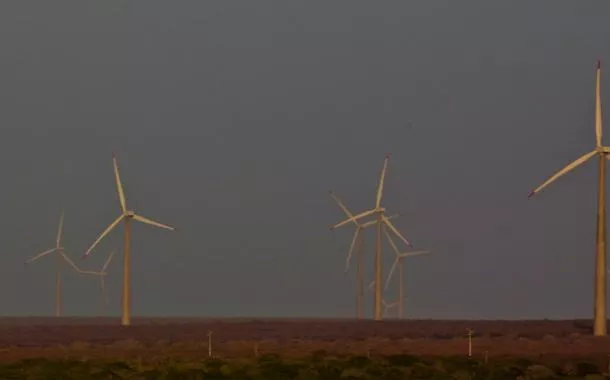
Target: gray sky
(232,121)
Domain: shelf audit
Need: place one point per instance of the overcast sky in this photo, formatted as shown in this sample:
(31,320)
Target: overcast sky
(232,120)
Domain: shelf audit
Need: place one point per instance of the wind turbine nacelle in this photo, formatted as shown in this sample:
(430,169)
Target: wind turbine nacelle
(130,214)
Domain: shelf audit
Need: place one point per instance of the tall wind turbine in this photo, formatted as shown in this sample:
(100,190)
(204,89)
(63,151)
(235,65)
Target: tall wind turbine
(400,256)
(357,246)
(60,255)
(381,220)
(599,328)
(126,217)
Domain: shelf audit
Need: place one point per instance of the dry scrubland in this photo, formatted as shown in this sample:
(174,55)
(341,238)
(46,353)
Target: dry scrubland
(158,338)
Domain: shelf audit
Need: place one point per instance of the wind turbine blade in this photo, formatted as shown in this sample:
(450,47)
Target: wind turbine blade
(73,265)
(373,222)
(598,107)
(59,230)
(343,207)
(351,248)
(368,224)
(151,222)
(108,260)
(106,231)
(394,216)
(563,171)
(119,185)
(371,284)
(42,254)
(67,259)
(391,241)
(381,181)
(395,230)
(353,218)
(387,282)
(414,253)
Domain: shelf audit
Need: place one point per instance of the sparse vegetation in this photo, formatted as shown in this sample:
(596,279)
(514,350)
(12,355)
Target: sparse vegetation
(74,348)
(272,367)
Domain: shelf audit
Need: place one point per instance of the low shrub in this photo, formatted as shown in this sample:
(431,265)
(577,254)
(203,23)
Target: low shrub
(317,367)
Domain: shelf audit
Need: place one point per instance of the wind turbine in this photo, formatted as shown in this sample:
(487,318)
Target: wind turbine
(60,255)
(381,219)
(599,324)
(102,275)
(105,299)
(400,256)
(126,217)
(357,246)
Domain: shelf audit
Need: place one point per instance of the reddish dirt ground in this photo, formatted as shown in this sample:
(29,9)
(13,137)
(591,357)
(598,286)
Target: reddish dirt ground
(233,337)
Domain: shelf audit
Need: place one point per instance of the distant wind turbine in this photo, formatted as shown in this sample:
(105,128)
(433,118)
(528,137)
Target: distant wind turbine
(126,217)
(400,256)
(381,221)
(105,300)
(357,246)
(599,324)
(60,255)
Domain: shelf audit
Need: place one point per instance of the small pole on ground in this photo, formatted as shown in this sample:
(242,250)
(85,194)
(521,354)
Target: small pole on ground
(470,332)
(210,332)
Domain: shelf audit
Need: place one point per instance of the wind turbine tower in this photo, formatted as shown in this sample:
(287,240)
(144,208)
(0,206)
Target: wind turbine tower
(599,323)
(126,217)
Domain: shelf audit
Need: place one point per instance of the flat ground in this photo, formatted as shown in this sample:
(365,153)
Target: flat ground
(232,337)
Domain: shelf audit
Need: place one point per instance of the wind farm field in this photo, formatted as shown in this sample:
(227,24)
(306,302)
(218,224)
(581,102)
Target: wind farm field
(156,338)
